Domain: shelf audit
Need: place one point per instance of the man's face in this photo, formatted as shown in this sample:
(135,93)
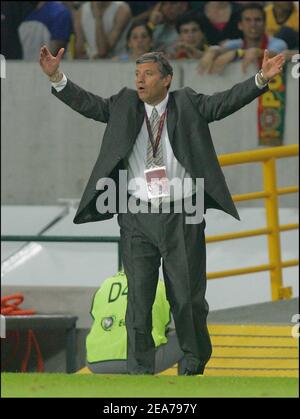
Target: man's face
(140,41)
(252,24)
(171,10)
(151,86)
(283,6)
(191,34)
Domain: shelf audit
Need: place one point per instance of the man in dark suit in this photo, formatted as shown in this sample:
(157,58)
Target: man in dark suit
(152,128)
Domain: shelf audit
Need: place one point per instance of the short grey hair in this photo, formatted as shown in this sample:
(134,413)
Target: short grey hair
(164,66)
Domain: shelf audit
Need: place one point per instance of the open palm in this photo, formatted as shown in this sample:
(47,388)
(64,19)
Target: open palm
(48,62)
(272,66)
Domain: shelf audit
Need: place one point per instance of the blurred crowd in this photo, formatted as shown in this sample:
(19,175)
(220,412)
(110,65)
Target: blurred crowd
(213,32)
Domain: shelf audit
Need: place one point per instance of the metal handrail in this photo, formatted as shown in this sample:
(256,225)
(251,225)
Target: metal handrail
(66,239)
(270,195)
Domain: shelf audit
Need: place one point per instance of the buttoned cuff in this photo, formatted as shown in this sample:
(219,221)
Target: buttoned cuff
(60,84)
(260,86)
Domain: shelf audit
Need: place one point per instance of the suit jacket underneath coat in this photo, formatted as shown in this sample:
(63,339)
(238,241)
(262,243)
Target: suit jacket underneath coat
(188,116)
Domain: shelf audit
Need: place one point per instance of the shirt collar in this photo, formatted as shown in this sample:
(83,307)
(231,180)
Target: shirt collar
(160,107)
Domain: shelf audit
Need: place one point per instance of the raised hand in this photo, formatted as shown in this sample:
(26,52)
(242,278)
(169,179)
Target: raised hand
(156,15)
(48,62)
(272,66)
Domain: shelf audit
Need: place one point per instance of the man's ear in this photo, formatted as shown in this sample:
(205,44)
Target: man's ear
(167,80)
(240,26)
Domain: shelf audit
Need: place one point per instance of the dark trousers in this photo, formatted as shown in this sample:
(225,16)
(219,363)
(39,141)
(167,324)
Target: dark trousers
(145,240)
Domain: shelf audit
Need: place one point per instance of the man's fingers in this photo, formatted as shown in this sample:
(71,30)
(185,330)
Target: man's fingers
(279,57)
(43,55)
(279,60)
(266,55)
(60,53)
(45,50)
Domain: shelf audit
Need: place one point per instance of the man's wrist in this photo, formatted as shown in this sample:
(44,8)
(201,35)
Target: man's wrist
(260,81)
(56,77)
(60,85)
(261,77)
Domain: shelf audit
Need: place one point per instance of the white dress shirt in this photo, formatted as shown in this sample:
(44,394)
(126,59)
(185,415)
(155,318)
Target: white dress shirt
(136,162)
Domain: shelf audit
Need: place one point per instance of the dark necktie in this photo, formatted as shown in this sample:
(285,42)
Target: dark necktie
(158,160)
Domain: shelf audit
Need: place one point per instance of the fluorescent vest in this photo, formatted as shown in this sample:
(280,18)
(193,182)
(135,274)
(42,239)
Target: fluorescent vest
(107,339)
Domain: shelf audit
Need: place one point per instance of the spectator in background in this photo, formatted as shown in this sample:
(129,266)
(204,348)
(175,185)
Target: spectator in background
(12,14)
(49,23)
(282,21)
(141,10)
(74,7)
(191,42)
(100,29)
(163,23)
(139,41)
(251,47)
(219,21)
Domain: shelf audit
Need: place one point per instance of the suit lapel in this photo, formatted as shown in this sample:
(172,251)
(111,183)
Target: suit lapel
(171,118)
(140,115)
(135,117)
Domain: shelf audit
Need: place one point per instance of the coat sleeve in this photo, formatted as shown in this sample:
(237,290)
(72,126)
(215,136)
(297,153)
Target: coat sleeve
(86,103)
(219,105)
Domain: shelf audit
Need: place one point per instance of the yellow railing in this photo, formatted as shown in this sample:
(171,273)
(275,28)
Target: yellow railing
(270,194)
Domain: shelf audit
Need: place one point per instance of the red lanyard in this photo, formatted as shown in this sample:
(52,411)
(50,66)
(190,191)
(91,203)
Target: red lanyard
(158,137)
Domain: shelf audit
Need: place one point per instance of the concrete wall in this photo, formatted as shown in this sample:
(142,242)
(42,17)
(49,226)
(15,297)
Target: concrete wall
(48,150)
